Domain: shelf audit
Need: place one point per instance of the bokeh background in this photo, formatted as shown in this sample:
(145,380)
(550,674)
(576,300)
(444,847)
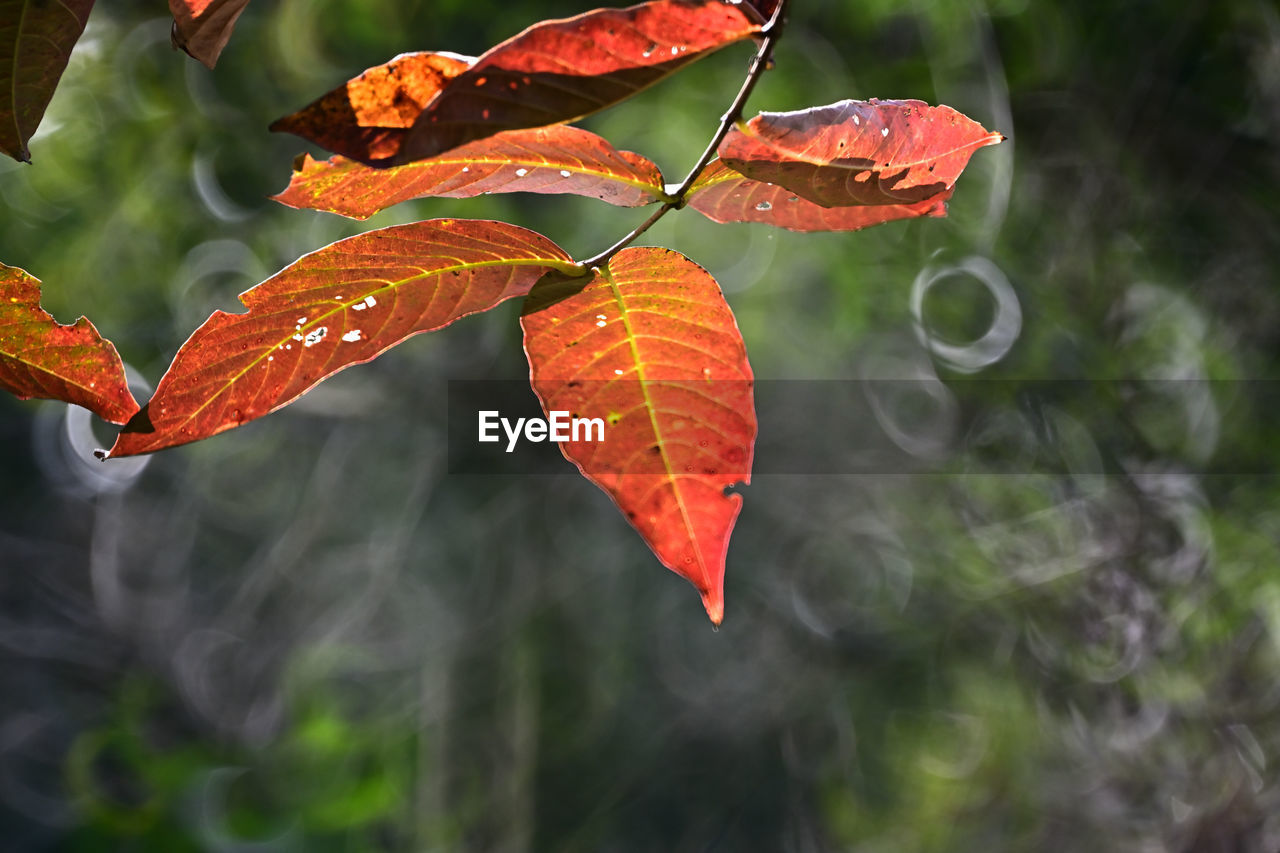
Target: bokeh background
(1034,605)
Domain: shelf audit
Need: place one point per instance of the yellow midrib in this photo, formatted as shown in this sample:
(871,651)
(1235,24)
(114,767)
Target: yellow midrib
(804,157)
(649,188)
(13,356)
(607,275)
(556,263)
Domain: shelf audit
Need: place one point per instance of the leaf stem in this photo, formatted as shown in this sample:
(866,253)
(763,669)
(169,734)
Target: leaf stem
(760,63)
(608,253)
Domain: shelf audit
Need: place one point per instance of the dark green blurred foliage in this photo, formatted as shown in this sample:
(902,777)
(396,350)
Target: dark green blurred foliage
(1058,633)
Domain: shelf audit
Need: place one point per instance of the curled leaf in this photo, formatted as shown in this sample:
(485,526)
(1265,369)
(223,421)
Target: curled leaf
(649,346)
(556,159)
(723,195)
(368,117)
(342,305)
(36,39)
(857,152)
(202,28)
(41,358)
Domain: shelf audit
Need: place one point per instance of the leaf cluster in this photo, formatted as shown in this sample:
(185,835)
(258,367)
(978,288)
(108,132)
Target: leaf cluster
(639,338)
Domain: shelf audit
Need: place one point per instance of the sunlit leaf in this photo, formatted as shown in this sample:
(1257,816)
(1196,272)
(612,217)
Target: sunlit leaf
(368,117)
(36,38)
(556,159)
(857,152)
(342,305)
(41,358)
(557,71)
(203,27)
(723,195)
(649,345)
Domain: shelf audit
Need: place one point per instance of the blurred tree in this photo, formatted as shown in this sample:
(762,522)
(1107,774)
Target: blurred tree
(1033,612)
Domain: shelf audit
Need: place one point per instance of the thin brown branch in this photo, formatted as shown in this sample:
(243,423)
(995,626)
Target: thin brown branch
(760,63)
(629,239)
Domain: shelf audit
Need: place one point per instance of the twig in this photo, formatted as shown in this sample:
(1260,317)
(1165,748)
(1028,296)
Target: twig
(759,64)
(608,253)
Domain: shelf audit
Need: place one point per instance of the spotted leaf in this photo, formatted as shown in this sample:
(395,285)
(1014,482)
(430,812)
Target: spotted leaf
(857,152)
(556,159)
(560,70)
(342,305)
(41,358)
(648,345)
(368,117)
(723,195)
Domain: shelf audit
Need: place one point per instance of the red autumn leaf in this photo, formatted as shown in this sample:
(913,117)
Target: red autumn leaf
(36,39)
(649,345)
(723,195)
(342,305)
(41,358)
(558,71)
(857,152)
(556,159)
(368,117)
(203,27)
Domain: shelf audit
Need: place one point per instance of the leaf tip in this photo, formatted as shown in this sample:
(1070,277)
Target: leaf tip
(178,41)
(713,601)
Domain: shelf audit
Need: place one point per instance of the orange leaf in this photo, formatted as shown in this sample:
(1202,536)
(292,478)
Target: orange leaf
(368,117)
(857,152)
(41,358)
(36,39)
(342,305)
(203,27)
(561,70)
(556,159)
(648,345)
(723,195)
